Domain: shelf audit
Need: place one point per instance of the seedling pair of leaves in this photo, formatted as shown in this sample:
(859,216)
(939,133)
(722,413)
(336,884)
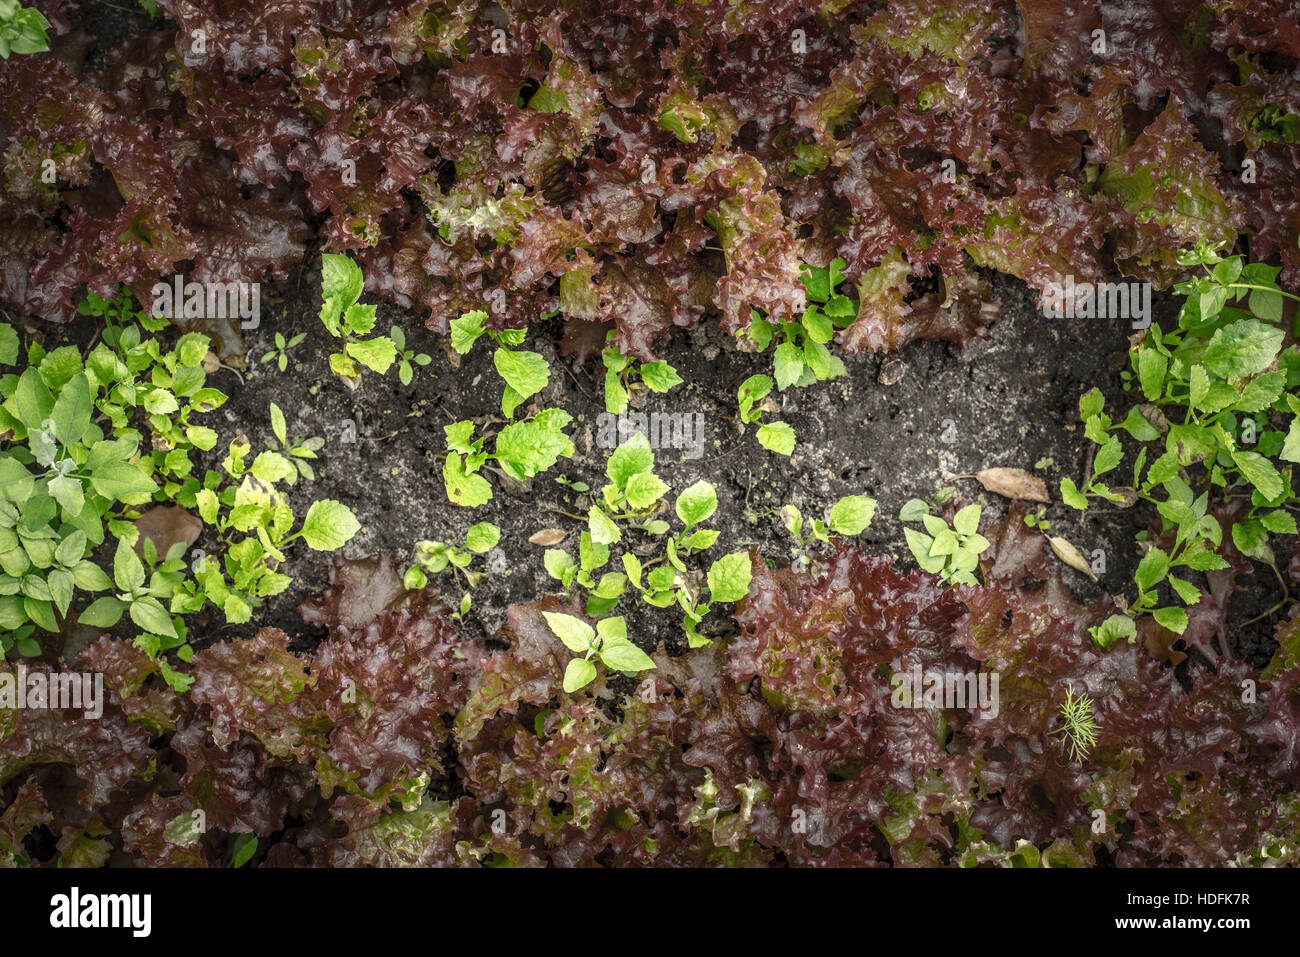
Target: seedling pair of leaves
(950,551)
(1211,386)
(431,558)
(619,369)
(295,453)
(522,449)
(525,373)
(801,356)
(607,643)
(849,516)
(349,319)
(777,437)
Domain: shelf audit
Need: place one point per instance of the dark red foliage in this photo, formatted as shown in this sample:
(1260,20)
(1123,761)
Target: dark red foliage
(668,161)
(396,743)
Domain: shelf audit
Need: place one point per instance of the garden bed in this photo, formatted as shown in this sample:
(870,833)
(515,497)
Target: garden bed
(841,230)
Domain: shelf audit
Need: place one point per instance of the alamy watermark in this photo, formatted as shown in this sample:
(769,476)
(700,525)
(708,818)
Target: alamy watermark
(64,691)
(209,300)
(74,910)
(663,430)
(975,691)
(1102,300)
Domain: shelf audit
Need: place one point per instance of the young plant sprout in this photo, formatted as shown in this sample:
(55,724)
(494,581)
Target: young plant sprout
(608,644)
(431,558)
(951,552)
(1077,724)
(281,351)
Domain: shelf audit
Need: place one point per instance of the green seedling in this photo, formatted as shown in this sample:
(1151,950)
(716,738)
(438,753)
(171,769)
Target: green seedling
(281,351)
(607,643)
(951,552)
(525,373)
(777,437)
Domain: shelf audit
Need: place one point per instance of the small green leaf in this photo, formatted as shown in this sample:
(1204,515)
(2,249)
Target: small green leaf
(1175,619)
(851,514)
(697,503)
(1071,495)
(729,577)
(778,437)
(1152,569)
(579,673)
(482,537)
(525,372)
(329,525)
(574,632)
(466,329)
(967,520)
(621,655)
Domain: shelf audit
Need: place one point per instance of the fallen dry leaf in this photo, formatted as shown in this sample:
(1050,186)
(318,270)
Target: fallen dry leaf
(165,525)
(548,536)
(1070,555)
(1014,483)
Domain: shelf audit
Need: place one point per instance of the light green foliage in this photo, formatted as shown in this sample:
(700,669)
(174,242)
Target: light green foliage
(348,319)
(290,459)
(139,590)
(521,449)
(633,495)
(1216,389)
(607,643)
(431,558)
(22,29)
(801,356)
(281,351)
(135,376)
(525,373)
(1078,725)
(776,436)
(950,551)
(254,524)
(619,370)
(849,516)
(73,468)
(406,357)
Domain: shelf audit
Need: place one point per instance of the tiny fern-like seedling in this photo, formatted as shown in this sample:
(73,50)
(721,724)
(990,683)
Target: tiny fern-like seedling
(1078,725)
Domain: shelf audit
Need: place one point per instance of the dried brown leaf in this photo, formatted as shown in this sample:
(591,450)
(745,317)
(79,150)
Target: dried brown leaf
(1070,555)
(548,536)
(165,525)
(1014,483)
